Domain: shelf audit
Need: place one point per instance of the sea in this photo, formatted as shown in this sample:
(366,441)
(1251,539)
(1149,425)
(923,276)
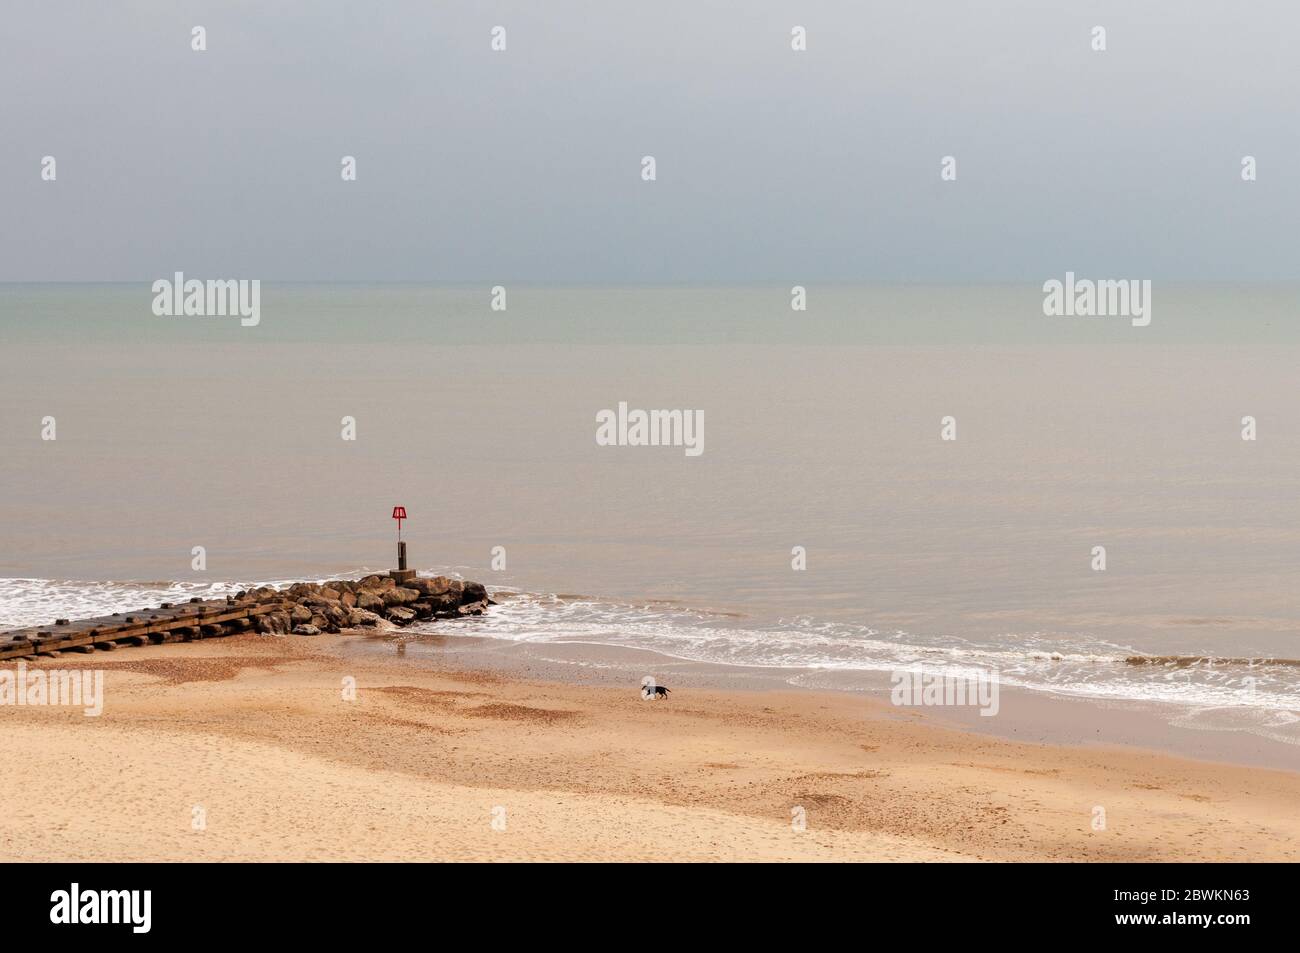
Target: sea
(827,527)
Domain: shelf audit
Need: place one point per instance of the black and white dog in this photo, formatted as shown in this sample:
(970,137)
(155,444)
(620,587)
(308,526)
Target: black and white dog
(650,690)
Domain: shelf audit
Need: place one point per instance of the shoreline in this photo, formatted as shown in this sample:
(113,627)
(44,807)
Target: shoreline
(416,607)
(254,731)
(1025,715)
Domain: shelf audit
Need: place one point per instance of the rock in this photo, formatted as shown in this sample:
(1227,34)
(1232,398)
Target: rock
(305,630)
(399,596)
(401,615)
(377,582)
(369,600)
(440,585)
(444,604)
(348,598)
(472,608)
(473,592)
(320,621)
(299,615)
(338,616)
(330,594)
(360,617)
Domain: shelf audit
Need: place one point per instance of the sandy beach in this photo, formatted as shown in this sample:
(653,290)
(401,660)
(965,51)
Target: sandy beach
(246,749)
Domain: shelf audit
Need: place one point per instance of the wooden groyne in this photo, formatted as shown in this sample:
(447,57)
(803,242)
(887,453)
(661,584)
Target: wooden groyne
(167,623)
(305,608)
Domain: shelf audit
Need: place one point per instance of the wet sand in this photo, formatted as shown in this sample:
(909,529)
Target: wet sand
(1022,716)
(246,749)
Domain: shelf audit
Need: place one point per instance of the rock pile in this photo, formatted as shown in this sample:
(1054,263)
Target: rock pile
(310,608)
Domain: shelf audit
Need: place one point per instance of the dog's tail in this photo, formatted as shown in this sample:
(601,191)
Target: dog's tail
(667,690)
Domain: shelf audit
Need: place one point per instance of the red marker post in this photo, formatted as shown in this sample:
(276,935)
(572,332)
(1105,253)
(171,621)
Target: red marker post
(399,514)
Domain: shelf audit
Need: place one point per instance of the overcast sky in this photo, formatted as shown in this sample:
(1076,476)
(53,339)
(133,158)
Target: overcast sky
(524,165)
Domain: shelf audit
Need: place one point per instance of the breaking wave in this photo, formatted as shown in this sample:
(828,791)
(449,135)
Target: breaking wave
(1211,691)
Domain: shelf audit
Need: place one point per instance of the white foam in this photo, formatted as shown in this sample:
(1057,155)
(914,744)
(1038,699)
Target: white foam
(1064,664)
(1264,699)
(29,602)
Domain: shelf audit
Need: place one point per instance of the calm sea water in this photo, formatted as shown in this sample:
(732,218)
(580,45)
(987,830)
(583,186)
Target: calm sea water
(822,430)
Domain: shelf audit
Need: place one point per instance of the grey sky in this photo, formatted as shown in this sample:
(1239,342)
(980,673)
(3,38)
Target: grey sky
(772,165)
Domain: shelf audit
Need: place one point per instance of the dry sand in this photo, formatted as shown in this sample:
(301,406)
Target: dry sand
(254,736)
